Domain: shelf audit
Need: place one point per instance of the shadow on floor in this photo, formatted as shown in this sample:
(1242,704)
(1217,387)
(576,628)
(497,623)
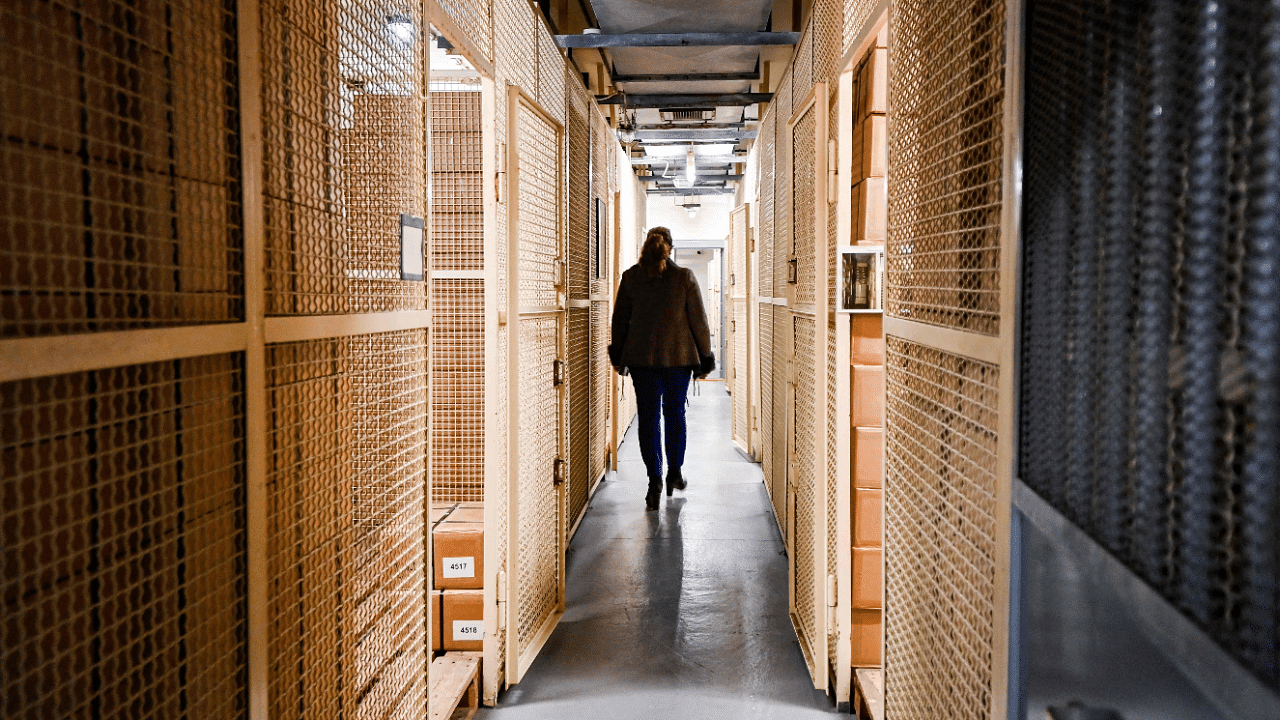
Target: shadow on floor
(679,613)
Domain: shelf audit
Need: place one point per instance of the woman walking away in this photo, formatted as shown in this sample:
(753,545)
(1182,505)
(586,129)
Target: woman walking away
(660,336)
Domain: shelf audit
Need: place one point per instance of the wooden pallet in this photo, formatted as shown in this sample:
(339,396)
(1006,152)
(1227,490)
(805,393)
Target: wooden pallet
(455,687)
(868,694)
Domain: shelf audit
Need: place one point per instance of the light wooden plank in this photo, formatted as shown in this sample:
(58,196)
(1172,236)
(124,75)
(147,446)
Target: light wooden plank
(454,678)
(871,687)
(299,329)
(22,358)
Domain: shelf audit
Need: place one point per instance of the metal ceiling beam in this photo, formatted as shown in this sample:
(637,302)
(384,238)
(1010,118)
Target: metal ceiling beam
(677,134)
(679,162)
(692,191)
(697,126)
(647,100)
(698,39)
(688,77)
(703,178)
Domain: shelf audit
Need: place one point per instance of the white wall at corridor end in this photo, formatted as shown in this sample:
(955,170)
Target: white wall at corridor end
(710,223)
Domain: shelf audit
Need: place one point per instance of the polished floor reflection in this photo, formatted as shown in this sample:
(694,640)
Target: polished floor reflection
(679,613)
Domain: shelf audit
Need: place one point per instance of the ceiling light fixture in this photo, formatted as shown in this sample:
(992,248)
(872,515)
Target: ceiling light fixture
(690,167)
(691,206)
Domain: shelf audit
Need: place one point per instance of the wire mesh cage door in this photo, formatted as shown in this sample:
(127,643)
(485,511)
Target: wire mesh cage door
(538,398)
(739,338)
(949,326)
(807,406)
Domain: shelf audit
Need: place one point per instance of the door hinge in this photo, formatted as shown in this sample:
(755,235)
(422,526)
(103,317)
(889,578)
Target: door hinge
(557,473)
(793,270)
(502,599)
(557,373)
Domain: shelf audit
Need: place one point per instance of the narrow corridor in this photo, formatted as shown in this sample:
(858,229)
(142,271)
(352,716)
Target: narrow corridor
(679,613)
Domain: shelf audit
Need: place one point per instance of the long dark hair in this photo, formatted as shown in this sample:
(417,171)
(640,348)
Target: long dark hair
(656,250)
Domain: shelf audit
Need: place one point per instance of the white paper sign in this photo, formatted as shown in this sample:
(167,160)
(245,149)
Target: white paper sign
(459,567)
(468,630)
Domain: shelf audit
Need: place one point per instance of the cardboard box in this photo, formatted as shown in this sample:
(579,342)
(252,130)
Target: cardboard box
(875,146)
(868,578)
(868,458)
(868,517)
(437,611)
(865,638)
(463,620)
(458,555)
(867,403)
(866,339)
(440,511)
(875,82)
(857,170)
(464,514)
(873,217)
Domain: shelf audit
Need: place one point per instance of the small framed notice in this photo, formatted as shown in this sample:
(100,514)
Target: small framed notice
(412,259)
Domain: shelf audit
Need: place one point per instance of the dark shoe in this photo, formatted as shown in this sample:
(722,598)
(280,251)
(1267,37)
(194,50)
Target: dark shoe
(675,481)
(655,493)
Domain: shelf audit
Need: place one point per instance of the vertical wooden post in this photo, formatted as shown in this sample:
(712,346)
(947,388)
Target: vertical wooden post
(256,404)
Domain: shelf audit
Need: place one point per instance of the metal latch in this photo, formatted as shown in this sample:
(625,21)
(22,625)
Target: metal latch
(557,473)
(557,373)
(793,270)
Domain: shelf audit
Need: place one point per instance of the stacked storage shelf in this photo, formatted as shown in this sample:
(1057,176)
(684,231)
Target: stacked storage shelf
(866,357)
(457,534)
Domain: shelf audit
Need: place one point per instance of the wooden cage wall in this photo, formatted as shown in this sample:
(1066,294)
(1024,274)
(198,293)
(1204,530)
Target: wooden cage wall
(216,397)
(215,382)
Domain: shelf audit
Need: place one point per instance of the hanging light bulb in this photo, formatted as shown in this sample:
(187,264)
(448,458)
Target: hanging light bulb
(690,167)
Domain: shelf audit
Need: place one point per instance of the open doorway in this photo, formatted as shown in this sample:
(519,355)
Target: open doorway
(708,265)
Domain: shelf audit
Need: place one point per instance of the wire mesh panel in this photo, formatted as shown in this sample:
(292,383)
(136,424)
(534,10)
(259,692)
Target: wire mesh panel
(940,526)
(539,198)
(946,86)
(457,244)
(539,516)
(458,390)
(600,389)
(581,201)
(782,351)
(343,127)
(124,542)
(804,207)
(578,362)
(856,15)
(1151,309)
(766,402)
(457,201)
(802,68)
(540,411)
(475,18)
(347,573)
(783,243)
(804,480)
(741,379)
(828,40)
(764,244)
(121,168)
(551,74)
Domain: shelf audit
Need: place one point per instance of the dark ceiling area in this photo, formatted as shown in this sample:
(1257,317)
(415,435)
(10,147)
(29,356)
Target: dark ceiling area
(680,78)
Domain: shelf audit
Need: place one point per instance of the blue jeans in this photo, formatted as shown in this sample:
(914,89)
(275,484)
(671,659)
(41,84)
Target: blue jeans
(666,387)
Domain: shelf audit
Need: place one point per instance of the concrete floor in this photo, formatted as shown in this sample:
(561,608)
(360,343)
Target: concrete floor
(679,613)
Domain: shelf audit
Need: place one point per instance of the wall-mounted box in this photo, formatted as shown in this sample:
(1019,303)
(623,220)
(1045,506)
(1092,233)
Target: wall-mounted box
(861,279)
